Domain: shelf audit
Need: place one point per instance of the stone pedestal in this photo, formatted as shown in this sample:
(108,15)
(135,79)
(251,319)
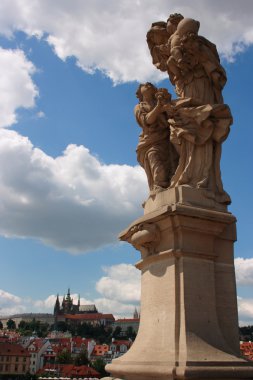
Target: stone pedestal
(189,323)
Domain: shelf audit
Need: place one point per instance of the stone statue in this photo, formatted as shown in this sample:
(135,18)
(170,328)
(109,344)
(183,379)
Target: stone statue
(196,123)
(158,38)
(191,61)
(197,132)
(155,152)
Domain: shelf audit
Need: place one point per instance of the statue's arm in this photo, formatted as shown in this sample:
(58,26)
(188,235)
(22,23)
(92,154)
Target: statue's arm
(151,117)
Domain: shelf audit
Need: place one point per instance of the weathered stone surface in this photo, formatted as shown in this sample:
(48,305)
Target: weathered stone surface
(191,61)
(189,323)
(196,123)
(155,153)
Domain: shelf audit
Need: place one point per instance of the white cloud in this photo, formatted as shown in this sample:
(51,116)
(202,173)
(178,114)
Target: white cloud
(245,310)
(40,114)
(46,304)
(122,283)
(110,36)
(8,297)
(118,309)
(16,86)
(72,202)
(10,304)
(244,271)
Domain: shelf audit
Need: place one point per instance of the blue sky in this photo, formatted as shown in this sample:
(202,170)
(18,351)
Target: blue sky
(69,179)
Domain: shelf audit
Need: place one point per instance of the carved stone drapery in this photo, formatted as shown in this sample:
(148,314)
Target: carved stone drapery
(195,124)
(155,153)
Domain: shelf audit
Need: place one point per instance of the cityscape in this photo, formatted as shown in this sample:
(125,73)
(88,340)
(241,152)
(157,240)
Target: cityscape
(74,341)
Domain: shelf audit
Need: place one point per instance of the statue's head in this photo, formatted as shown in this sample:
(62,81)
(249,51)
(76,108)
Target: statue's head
(173,21)
(175,18)
(188,25)
(163,95)
(145,88)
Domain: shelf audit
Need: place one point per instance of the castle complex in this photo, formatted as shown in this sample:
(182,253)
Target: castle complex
(68,312)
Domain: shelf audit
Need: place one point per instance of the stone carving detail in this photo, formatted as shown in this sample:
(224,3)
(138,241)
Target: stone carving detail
(144,237)
(191,61)
(155,152)
(198,131)
(192,126)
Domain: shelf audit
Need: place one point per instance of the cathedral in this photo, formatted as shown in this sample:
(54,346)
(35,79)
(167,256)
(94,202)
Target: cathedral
(68,312)
(68,307)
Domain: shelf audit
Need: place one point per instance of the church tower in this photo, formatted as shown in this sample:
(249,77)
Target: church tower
(57,307)
(136,314)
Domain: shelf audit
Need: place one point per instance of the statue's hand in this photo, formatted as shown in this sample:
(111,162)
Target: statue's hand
(169,109)
(164,48)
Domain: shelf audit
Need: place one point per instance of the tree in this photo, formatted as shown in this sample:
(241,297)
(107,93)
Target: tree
(1,325)
(22,325)
(82,358)
(99,365)
(11,325)
(64,357)
(62,326)
(117,332)
(130,333)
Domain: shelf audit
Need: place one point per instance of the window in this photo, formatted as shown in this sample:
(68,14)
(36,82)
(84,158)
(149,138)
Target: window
(16,358)
(24,359)
(7,358)
(24,368)
(16,368)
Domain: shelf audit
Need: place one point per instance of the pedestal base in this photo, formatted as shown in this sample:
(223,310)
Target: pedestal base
(189,323)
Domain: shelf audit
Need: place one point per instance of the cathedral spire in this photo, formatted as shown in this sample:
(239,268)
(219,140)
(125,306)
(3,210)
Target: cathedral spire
(57,305)
(136,314)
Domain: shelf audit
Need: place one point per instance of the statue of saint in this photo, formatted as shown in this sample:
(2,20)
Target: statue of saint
(155,152)
(191,61)
(192,126)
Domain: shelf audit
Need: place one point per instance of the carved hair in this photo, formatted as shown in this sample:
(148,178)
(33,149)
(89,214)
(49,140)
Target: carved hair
(138,92)
(175,18)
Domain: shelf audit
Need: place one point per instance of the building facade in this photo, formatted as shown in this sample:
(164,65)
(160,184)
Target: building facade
(14,359)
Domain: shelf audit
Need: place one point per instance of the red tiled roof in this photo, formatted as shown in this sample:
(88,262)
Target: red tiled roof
(69,370)
(100,349)
(79,342)
(13,349)
(89,317)
(37,343)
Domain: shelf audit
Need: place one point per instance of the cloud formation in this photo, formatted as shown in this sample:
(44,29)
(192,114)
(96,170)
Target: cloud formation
(10,304)
(244,271)
(72,202)
(16,86)
(110,36)
(122,283)
(245,310)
